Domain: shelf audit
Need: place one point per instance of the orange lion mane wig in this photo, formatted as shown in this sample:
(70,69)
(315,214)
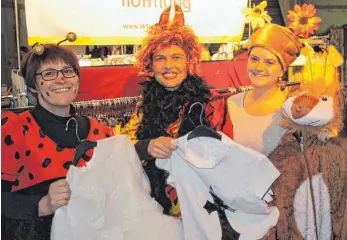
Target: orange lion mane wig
(167,33)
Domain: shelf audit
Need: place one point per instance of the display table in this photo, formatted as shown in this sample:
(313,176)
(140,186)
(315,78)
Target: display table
(122,81)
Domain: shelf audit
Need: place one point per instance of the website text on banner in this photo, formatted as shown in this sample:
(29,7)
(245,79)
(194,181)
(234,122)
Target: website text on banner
(117,22)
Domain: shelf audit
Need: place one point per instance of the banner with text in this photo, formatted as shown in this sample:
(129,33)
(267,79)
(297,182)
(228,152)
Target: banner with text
(120,22)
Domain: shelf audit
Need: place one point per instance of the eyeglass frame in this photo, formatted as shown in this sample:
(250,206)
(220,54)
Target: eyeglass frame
(58,71)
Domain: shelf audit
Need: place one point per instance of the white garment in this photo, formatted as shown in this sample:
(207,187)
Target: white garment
(110,199)
(261,133)
(240,176)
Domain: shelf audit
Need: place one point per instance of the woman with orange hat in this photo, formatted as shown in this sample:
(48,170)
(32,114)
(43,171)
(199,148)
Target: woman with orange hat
(169,58)
(255,114)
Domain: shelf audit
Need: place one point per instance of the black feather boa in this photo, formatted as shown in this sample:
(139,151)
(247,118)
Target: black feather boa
(160,108)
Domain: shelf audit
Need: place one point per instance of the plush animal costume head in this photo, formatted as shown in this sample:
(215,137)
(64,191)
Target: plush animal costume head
(316,107)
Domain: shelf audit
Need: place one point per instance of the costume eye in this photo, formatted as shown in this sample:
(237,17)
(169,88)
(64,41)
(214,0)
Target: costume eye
(324,98)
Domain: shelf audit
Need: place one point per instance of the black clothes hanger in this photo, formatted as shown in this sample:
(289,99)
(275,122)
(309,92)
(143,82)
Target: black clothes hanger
(82,146)
(202,130)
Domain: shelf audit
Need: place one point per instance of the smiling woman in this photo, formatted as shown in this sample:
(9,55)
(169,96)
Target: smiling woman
(272,49)
(54,78)
(170,66)
(37,150)
(169,59)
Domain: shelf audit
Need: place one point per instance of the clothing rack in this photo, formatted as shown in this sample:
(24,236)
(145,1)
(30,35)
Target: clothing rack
(117,111)
(113,112)
(234,90)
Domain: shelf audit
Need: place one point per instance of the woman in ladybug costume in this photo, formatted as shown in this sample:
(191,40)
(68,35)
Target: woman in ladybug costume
(38,145)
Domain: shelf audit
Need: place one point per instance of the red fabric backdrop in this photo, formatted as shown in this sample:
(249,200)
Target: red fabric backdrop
(122,81)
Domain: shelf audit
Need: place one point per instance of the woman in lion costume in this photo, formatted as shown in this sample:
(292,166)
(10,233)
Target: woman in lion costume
(311,192)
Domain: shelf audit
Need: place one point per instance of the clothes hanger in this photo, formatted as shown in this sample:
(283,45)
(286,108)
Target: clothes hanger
(82,146)
(202,130)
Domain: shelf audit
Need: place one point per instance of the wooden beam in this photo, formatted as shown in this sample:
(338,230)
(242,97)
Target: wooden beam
(328,7)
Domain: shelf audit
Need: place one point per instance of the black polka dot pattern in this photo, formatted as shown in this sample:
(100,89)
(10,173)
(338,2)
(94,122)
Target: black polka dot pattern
(107,135)
(25,129)
(67,165)
(4,120)
(8,140)
(31,176)
(29,119)
(46,162)
(20,169)
(42,135)
(96,131)
(59,148)
(17,156)
(40,145)
(16,183)
(27,153)
(85,157)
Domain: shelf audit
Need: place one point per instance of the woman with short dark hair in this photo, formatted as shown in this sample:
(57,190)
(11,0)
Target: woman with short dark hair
(38,146)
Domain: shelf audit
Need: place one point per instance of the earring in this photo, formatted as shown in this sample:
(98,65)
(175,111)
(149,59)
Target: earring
(281,84)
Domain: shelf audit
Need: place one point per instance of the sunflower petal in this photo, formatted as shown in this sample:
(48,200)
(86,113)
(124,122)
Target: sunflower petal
(248,19)
(304,33)
(297,8)
(292,16)
(311,31)
(304,9)
(261,22)
(254,23)
(293,25)
(297,31)
(311,11)
(267,18)
(315,19)
(262,5)
(247,11)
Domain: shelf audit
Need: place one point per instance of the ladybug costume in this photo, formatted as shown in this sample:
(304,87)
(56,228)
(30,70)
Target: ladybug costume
(37,150)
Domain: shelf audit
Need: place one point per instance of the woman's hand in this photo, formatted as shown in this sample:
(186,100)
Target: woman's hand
(161,147)
(58,196)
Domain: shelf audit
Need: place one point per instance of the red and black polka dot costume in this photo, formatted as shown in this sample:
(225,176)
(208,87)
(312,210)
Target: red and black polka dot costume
(31,161)
(30,157)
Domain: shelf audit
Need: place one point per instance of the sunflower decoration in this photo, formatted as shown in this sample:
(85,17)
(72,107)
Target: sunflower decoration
(303,21)
(257,16)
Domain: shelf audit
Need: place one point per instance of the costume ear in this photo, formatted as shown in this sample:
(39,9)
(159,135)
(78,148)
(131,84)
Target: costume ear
(165,16)
(179,16)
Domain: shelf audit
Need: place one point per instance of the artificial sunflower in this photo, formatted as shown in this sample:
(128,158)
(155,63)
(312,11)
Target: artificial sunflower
(303,20)
(256,16)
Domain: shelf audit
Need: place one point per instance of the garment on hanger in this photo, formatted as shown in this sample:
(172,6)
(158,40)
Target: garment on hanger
(221,177)
(110,199)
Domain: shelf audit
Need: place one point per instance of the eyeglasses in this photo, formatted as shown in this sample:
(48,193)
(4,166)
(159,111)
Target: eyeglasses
(52,74)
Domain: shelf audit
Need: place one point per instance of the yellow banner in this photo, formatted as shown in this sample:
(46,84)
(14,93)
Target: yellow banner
(118,22)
